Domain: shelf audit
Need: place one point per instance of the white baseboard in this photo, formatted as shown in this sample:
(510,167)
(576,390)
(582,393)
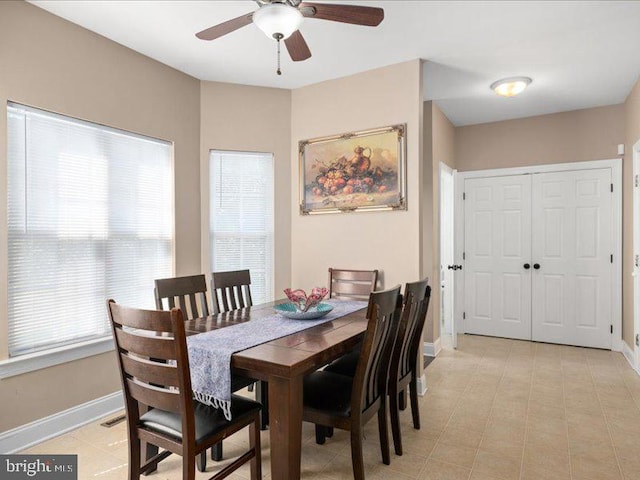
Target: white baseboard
(422,385)
(628,353)
(26,436)
(617,344)
(432,349)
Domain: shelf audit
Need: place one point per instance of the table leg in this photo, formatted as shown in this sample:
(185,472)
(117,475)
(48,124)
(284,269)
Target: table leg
(285,426)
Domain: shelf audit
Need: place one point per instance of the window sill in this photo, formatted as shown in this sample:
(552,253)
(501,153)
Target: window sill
(37,361)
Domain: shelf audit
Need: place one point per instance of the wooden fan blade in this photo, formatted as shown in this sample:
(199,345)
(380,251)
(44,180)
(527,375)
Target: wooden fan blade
(226,27)
(355,14)
(297,47)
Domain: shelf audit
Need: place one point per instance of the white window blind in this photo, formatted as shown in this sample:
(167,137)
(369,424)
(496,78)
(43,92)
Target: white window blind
(90,217)
(241,217)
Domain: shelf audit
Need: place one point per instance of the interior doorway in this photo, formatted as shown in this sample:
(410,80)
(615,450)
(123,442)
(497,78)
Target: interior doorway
(447,253)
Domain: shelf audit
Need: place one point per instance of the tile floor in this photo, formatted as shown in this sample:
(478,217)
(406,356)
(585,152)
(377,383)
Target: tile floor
(496,409)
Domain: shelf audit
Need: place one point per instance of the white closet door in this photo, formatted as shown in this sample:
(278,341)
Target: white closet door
(572,243)
(497,246)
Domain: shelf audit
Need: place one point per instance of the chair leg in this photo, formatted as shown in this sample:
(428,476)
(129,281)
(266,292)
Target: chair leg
(321,434)
(250,387)
(188,468)
(216,452)
(255,465)
(384,432)
(357,460)
(201,461)
(402,400)
(329,432)
(134,458)
(395,423)
(415,412)
(262,396)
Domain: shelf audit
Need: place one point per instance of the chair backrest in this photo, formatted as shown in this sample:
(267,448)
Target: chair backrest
(231,290)
(154,366)
(190,292)
(408,340)
(369,382)
(356,284)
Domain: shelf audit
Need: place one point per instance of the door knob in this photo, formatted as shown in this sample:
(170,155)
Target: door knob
(527,266)
(536,266)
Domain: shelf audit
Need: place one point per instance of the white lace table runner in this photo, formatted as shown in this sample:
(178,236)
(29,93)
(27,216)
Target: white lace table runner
(210,352)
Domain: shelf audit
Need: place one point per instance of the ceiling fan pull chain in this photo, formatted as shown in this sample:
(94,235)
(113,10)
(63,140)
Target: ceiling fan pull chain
(279,72)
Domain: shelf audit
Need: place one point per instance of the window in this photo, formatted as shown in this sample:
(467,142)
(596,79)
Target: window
(90,217)
(241,217)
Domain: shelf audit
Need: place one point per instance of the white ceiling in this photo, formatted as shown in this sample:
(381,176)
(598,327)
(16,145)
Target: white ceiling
(580,54)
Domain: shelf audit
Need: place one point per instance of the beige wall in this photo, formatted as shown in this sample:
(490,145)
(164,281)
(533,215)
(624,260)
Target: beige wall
(632,135)
(53,64)
(581,135)
(265,117)
(444,139)
(439,146)
(590,134)
(388,241)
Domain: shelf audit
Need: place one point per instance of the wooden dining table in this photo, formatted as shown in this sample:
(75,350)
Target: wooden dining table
(283,363)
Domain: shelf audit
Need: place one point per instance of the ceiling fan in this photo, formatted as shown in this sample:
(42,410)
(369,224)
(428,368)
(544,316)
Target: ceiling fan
(281,20)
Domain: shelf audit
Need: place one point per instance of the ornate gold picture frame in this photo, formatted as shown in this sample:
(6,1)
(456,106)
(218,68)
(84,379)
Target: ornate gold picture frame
(353,172)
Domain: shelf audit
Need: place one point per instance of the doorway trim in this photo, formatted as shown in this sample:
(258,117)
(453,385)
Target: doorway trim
(447,170)
(615,165)
(636,254)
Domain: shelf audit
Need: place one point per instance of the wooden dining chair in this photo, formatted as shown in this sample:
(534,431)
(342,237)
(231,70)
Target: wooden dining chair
(232,291)
(357,284)
(154,369)
(190,294)
(404,368)
(337,401)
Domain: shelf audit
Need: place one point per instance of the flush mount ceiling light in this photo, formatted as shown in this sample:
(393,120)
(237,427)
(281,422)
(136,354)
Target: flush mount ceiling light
(278,20)
(510,87)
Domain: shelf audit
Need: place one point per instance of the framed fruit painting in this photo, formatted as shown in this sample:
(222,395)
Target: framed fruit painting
(356,171)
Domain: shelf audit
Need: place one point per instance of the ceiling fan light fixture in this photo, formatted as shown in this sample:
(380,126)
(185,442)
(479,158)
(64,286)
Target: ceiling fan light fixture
(510,87)
(278,20)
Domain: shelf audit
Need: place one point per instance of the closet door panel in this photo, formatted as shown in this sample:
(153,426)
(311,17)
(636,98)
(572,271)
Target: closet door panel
(497,245)
(572,242)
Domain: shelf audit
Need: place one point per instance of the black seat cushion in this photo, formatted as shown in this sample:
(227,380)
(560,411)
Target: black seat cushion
(239,382)
(208,420)
(345,365)
(328,392)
